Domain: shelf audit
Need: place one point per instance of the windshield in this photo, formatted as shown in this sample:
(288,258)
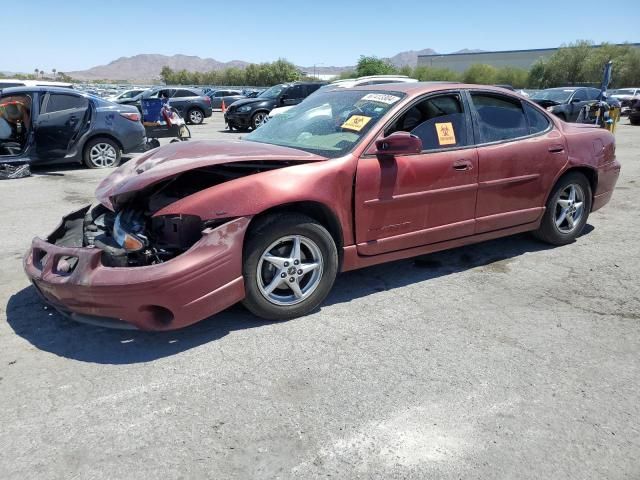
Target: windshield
(273,92)
(559,95)
(329,123)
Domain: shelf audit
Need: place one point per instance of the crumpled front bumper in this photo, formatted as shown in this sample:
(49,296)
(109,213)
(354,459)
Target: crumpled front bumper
(200,282)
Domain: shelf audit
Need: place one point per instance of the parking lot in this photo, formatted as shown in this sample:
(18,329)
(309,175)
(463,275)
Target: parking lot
(506,359)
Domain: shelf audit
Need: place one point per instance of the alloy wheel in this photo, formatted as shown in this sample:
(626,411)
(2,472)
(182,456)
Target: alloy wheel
(290,270)
(103,155)
(195,116)
(569,208)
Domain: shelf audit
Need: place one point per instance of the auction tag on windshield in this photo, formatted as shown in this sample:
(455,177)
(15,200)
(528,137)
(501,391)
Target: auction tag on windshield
(381,97)
(356,122)
(446,135)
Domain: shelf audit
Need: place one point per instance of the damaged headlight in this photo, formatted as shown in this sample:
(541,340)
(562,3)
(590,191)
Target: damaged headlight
(128,231)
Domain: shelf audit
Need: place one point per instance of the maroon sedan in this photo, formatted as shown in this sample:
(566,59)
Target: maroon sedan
(349,178)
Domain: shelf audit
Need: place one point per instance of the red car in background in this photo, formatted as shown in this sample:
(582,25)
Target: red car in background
(347,179)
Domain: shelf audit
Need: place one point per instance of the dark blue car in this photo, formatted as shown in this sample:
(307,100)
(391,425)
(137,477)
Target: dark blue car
(44,125)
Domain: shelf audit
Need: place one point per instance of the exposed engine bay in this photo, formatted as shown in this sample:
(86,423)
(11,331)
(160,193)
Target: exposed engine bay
(132,236)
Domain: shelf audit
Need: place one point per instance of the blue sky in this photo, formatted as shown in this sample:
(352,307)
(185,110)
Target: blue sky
(74,34)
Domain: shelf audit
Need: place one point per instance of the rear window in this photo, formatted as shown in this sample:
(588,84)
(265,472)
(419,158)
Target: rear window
(58,102)
(538,122)
(500,118)
(185,93)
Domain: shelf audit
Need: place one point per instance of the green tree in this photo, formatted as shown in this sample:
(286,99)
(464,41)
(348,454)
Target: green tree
(516,77)
(481,74)
(373,66)
(432,74)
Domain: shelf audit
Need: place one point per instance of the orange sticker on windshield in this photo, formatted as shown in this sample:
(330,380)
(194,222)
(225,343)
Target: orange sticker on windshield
(356,122)
(446,135)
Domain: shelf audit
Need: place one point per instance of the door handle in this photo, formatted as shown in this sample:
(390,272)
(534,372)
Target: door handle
(556,149)
(462,165)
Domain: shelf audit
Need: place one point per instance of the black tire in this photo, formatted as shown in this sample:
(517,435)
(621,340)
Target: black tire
(549,231)
(634,121)
(111,153)
(257,118)
(195,116)
(270,230)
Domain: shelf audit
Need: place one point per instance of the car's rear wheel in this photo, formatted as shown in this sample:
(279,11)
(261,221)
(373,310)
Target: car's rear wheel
(102,153)
(195,116)
(257,119)
(290,264)
(567,210)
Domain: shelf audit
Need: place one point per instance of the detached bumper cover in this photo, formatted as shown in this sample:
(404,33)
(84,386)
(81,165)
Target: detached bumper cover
(202,281)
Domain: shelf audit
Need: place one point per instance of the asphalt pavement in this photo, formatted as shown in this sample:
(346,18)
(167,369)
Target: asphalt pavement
(507,359)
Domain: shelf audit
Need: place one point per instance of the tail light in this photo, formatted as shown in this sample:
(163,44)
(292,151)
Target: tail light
(134,117)
(207,100)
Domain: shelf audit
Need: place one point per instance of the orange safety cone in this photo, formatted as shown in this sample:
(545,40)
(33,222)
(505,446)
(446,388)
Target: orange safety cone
(223,106)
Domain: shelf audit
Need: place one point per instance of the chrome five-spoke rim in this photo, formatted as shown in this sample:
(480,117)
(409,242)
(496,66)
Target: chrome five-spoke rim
(290,270)
(569,208)
(103,155)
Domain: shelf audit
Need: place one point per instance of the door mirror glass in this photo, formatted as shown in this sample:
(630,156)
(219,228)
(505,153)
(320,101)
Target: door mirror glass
(398,143)
(576,100)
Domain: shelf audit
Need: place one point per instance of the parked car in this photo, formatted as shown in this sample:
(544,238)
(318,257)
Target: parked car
(54,125)
(229,96)
(124,97)
(250,112)
(191,103)
(389,172)
(349,83)
(566,102)
(634,112)
(626,96)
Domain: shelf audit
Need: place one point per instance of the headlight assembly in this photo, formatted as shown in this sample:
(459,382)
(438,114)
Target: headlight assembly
(244,108)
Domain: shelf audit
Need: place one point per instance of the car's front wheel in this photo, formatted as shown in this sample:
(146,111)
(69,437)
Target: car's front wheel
(290,264)
(102,153)
(567,210)
(257,119)
(195,116)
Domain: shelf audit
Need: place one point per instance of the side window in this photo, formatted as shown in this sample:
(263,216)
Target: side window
(59,102)
(594,93)
(438,121)
(499,117)
(184,93)
(538,122)
(312,87)
(579,96)
(295,92)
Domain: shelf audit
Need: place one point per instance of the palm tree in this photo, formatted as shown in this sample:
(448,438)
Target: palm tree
(41,73)
(36,71)
(54,73)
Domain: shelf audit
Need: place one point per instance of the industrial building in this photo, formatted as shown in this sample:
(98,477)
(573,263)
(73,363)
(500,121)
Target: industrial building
(459,62)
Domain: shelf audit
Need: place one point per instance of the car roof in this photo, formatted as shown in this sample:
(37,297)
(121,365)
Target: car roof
(426,87)
(43,89)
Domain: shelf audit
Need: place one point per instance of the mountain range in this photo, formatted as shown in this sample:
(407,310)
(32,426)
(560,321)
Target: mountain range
(145,68)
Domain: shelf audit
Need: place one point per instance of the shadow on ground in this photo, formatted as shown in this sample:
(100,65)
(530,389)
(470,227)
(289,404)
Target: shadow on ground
(49,331)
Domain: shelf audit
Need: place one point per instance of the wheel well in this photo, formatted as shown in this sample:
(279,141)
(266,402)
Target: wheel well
(195,107)
(590,173)
(100,135)
(318,211)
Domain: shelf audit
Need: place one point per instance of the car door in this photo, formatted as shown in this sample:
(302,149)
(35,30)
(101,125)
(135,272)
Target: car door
(62,116)
(181,99)
(520,153)
(411,200)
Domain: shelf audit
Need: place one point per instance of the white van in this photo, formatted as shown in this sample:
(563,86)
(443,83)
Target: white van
(15,82)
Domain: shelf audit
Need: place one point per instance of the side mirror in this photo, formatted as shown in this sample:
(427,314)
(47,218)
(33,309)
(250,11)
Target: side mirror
(398,143)
(283,99)
(576,100)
